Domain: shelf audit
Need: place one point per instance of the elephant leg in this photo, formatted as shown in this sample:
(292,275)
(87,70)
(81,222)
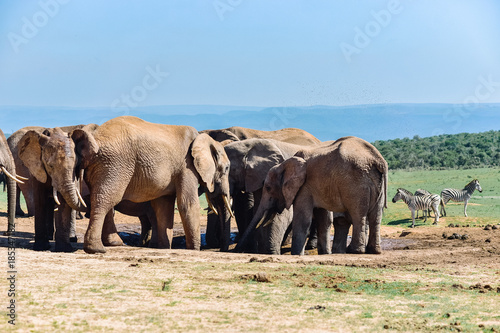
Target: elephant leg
(341,225)
(243,206)
(189,209)
(374,222)
(72,230)
(163,236)
(19,211)
(322,220)
(359,230)
(213,233)
(93,237)
(312,241)
(110,235)
(44,216)
(145,237)
(63,219)
(301,223)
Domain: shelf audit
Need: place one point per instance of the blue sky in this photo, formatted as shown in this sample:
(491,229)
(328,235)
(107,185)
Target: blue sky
(248,52)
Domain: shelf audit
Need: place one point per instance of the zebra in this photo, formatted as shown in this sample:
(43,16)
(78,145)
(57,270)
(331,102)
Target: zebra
(418,203)
(459,195)
(420,192)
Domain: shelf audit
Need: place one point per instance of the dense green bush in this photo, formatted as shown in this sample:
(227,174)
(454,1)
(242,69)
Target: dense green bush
(464,151)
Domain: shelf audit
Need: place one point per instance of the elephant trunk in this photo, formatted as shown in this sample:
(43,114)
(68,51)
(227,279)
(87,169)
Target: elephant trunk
(72,196)
(11,204)
(260,216)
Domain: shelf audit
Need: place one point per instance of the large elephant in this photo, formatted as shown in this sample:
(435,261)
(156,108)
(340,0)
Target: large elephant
(128,158)
(8,168)
(348,176)
(236,133)
(35,152)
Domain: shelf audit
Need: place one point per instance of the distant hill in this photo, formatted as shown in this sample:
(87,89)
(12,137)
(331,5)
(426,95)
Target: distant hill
(370,122)
(464,150)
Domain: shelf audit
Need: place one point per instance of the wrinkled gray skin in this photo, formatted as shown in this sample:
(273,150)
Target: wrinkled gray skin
(127,158)
(345,176)
(250,161)
(38,191)
(243,203)
(7,161)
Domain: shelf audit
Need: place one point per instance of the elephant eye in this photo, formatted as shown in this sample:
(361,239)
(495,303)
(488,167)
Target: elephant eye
(267,188)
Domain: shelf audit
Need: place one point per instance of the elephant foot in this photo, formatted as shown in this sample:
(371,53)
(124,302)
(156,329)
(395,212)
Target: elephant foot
(355,250)
(73,239)
(112,240)
(41,246)
(339,250)
(20,213)
(64,247)
(373,250)
(94,248)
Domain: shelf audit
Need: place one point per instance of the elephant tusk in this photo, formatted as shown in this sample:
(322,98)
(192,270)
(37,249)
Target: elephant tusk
(228,205)
(261,221)
(80,198)
(56,199)
(210,205)
(11,176)
(21,177)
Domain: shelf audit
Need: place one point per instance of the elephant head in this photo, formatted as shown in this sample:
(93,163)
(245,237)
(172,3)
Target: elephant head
(58,156)
(212,165)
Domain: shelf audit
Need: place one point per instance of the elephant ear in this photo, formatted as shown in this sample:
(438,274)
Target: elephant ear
(206,153)
(294,176)
(86,146)
(258,161)
(30,152)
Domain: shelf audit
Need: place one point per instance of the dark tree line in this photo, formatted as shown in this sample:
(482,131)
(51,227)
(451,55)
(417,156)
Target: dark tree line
(455,151)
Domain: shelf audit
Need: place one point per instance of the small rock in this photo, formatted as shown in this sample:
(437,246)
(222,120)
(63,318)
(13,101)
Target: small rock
(488,240)
(262,277)
(488,227)
(494,227)
(464,237)
(451,225)
(445,235)
(404,233)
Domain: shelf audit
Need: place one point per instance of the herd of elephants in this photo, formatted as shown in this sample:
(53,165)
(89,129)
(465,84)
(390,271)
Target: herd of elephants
(271,182)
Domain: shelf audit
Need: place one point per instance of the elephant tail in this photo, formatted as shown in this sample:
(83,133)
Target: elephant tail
(382,185)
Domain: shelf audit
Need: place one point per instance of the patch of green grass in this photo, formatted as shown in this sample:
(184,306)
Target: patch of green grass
(483,208)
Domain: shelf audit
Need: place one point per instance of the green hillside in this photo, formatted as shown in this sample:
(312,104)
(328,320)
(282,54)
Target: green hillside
(457,151)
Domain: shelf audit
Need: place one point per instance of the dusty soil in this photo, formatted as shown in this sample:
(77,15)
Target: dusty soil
(428,245)
(77,291)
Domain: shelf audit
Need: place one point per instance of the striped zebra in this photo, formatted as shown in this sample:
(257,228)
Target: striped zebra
(420,193)
(459,195)
(415,203)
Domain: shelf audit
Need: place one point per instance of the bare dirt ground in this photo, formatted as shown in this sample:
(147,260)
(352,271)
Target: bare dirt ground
(420,246)
(46,305)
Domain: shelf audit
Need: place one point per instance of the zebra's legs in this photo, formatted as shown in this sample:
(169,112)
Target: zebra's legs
(465,207)
(443,211)
(413,218)
(435,208)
